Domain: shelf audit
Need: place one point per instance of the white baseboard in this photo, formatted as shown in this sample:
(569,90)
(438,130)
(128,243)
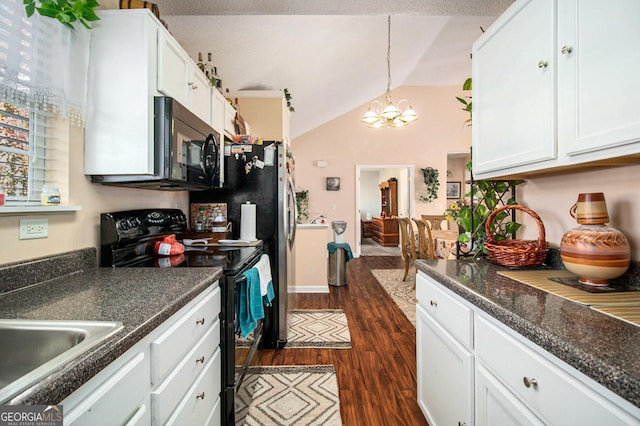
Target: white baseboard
(309,289)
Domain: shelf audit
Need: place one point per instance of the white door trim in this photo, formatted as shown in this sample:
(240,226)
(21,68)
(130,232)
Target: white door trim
(408,196)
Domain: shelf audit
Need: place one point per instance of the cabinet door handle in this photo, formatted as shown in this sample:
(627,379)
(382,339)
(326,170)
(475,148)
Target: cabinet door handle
(462,424)
(200,396)
(433,303)
(566,50)
(200,321)
(528,382)
(543,64)
(192,85)
(201,359)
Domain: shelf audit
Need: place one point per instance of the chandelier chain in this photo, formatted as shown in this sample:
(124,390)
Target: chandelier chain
(389,53)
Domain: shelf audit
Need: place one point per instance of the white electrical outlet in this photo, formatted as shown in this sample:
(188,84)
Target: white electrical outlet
(34,228)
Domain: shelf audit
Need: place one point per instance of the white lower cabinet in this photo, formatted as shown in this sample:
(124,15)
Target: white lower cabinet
(497,376)
(171,376)
(445,374)
(200,401)
(547,386)
(120,397)
(496,405)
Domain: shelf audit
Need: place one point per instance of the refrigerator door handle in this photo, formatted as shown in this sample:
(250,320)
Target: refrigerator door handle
(292,218)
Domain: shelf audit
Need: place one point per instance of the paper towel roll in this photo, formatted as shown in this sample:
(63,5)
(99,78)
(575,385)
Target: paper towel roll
(248,222)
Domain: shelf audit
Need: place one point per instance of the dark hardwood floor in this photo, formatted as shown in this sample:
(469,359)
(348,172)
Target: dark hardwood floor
(377,376)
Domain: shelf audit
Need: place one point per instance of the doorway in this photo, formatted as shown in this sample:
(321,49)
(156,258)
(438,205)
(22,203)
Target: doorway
(368,177)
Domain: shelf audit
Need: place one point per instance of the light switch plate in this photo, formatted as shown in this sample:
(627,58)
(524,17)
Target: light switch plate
(34,228)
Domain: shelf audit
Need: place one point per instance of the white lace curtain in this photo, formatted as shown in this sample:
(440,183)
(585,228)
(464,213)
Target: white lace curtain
(43,64)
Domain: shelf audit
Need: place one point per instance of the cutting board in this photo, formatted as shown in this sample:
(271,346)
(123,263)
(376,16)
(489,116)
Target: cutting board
(629,313)
(217,244)
(541,279)
(621,305)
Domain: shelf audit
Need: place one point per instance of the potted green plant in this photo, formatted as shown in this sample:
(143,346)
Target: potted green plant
(471,213)
(302,203)
(65,11)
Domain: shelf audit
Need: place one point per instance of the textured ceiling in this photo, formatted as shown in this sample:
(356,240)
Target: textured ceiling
(331,55)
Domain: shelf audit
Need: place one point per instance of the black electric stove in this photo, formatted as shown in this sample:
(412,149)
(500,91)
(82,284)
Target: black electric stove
(128,239)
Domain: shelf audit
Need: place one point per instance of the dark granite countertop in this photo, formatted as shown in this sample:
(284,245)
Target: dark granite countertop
(139,298)
(601,347)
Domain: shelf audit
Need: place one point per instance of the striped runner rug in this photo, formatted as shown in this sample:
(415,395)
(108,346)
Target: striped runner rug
(402,292)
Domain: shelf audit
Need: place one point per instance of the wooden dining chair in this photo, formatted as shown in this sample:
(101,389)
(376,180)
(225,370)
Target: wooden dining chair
(434,220)
(425,240)
(407,244)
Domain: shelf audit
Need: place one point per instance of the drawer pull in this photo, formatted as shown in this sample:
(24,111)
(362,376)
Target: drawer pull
(200,396)
(200,321)
(462,424)
(201,359)
(530,382)
(543,64)
(433,303)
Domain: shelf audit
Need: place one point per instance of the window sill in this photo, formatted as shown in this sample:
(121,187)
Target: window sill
(36,209)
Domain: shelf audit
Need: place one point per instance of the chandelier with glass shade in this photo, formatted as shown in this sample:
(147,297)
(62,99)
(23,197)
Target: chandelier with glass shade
(387,114)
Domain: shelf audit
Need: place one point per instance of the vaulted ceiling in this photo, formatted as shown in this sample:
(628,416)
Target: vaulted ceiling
(331,54)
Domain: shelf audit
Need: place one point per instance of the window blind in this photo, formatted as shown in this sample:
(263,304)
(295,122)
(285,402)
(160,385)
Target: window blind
(43,74)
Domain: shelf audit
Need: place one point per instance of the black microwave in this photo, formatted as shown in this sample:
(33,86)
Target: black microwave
(188,153)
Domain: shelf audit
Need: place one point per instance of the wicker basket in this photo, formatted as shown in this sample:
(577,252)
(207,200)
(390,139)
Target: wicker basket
(516,252)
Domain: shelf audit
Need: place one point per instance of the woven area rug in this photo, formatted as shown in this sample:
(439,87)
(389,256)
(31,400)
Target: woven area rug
(318,328)
(401,292)
(314,328)
(289,395)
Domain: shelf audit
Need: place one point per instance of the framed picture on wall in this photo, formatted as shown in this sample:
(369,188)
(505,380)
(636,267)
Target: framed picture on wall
(453,190)
(333,184)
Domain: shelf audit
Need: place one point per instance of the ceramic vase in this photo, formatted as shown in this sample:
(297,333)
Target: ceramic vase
(594,251)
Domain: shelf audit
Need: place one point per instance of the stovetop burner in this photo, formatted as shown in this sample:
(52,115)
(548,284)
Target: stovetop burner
(128,239)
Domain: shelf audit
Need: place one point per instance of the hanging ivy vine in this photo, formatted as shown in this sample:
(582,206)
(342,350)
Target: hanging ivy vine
(433,184)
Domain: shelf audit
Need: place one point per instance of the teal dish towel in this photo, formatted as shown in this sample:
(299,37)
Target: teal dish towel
(249,307)
(332,247)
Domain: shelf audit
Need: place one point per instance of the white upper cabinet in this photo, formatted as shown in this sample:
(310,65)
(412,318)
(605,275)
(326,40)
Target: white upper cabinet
(552,86)
(121,84)
(134,58)
(514,89)
(601,60)
(180,78)
(218,108)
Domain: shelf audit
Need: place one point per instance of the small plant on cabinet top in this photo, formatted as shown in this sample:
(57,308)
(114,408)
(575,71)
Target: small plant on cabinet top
(65,11)
(288,97)
(433,184)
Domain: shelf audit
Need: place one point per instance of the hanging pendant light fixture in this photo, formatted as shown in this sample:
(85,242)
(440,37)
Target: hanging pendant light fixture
(387,114)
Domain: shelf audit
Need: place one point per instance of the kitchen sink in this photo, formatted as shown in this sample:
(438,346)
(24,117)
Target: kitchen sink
(33,349)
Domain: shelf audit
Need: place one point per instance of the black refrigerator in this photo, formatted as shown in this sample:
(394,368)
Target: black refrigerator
(263,175)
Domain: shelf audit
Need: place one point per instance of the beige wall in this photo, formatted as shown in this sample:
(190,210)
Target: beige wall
(551,198)
(345,142)
(75,230)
